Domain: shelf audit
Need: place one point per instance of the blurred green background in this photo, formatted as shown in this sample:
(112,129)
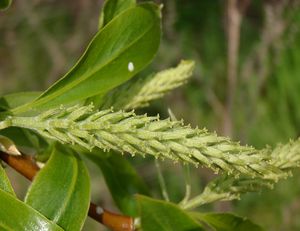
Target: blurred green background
(246,84)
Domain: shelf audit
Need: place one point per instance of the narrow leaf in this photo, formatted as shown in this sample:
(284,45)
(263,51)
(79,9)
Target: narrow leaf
(161,215)
(61,190)
(130,39)
(5,183)
(122,180)
(16,215)
(112,8)
(227,222)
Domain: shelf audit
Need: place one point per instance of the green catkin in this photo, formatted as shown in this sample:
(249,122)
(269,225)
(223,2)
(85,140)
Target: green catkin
(139,92)
(283,157)
(139,134)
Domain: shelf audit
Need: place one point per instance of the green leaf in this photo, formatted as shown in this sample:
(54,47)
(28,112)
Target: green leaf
(227,222)
(17,99)
(5,183)
(131,37)
(161,215)
(4,4)
(112,8)
(122,180)
(17,216)
(61,190)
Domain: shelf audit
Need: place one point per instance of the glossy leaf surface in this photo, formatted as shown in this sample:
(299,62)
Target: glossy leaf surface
(161,215)
(122,180)
(227,222)
(131,37)
(112,8)
(61,190)
(17,216)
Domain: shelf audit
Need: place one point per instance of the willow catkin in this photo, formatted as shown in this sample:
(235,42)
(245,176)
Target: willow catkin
(284,157)
(139,92)
(147,135)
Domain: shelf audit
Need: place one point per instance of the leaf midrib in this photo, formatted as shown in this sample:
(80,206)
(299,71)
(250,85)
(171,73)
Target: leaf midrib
(70,191)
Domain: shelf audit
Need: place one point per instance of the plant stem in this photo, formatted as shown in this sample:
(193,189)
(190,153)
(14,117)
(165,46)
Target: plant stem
(161,181)
(202,199)
(234,18)
(188,184)
(26,166)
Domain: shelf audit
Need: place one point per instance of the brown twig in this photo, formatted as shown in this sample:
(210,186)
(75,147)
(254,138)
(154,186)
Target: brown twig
(233,38)
(234,13)
(26,166)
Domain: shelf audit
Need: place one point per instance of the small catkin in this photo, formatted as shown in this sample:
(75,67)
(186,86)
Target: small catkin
(139,92)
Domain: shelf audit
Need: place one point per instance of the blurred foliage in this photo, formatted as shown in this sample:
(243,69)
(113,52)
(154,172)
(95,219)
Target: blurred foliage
(40,40)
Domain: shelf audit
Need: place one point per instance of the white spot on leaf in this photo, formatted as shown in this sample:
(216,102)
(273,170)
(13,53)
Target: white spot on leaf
(130,67)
